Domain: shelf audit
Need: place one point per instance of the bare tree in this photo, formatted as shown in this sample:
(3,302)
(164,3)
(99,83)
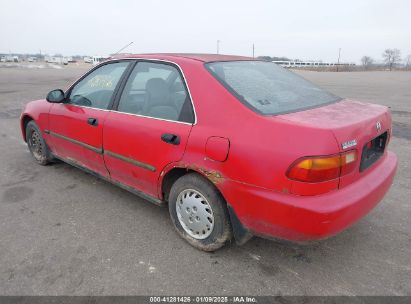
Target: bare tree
(366,61)
(391,57)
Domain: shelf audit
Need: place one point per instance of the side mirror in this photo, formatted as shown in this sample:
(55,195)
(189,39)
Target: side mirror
(55,96)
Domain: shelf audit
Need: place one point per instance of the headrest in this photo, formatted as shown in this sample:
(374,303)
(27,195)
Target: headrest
(157,90)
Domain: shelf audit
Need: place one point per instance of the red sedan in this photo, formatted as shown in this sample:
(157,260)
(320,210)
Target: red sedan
(237,147)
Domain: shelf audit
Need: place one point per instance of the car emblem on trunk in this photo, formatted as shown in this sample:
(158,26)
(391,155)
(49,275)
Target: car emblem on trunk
(349,144)
(378,126)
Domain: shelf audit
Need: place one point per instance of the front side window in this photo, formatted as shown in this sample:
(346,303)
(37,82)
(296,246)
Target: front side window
(97,88)
(267,88)
(157,90)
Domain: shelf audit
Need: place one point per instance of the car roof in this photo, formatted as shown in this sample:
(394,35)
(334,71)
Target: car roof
(182,56)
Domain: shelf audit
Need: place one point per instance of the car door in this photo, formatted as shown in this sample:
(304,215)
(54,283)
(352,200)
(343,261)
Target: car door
(149,127)
(76,126)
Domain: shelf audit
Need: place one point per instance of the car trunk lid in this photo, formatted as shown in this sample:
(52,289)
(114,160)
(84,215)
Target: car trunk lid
(355,125)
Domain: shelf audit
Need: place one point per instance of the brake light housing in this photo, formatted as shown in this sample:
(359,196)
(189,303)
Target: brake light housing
(317,169)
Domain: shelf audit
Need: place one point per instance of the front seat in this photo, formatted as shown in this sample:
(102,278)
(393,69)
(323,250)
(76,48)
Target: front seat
(158,103)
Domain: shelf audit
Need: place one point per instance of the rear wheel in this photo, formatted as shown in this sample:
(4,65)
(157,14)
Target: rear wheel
(199,212)
(37,145)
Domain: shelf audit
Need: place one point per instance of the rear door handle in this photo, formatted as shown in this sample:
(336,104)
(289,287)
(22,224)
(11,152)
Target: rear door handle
(171,138)
(92,121)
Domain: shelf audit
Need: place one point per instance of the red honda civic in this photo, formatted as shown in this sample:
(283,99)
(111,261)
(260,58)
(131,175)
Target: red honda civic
(237,147)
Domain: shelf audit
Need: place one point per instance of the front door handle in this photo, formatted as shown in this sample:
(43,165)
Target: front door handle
(171,138)
(92,121)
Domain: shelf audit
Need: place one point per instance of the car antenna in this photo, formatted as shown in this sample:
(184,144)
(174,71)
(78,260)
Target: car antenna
(123,48)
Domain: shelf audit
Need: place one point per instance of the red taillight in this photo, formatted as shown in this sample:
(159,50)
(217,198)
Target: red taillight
(322,168)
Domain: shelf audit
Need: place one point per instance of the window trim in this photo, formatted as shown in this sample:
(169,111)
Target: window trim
(120,90)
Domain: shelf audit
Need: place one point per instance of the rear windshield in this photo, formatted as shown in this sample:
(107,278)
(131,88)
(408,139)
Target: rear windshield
(267,88)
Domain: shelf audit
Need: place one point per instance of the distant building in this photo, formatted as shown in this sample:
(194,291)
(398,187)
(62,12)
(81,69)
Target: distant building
(312,64)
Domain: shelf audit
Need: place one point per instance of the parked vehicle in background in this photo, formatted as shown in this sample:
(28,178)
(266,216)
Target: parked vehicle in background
(237,147)
(88,59)
(56,59)
(3,59)
(11,58)
(32,59)
(99,59)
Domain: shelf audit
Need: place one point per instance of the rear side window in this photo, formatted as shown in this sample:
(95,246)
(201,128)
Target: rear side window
(157,90)
(267,88)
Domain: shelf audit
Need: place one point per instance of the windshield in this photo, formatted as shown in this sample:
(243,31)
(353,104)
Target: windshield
(267,88)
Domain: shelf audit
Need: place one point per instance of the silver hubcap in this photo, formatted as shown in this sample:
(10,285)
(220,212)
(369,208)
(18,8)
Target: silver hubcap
(35,144)
(195,214)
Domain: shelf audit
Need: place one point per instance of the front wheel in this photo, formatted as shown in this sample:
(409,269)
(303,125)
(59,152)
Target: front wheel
(199,212)
(36,144)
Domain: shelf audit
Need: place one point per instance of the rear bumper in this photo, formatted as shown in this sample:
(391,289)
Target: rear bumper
(302,218)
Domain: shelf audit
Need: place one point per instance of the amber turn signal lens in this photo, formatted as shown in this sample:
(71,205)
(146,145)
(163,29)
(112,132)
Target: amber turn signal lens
(322,168)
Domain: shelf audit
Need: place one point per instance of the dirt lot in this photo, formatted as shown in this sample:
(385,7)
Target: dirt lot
(63,231)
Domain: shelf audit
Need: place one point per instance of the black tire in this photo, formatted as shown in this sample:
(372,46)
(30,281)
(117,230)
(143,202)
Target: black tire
(221,231)
(37,146)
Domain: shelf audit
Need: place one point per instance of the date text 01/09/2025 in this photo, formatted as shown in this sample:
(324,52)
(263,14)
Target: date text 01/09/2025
(203,299)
